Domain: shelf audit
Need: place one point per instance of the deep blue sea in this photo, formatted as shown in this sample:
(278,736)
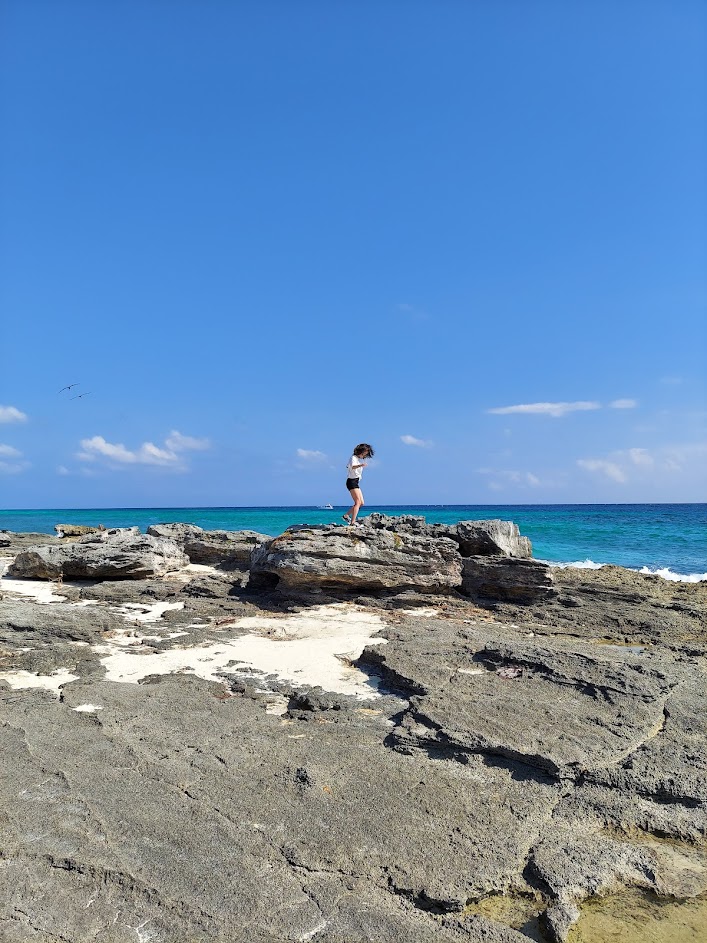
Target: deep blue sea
(671,538)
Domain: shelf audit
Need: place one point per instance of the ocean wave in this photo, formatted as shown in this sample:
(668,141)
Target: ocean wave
(577,565)
(668,574)
(665,572)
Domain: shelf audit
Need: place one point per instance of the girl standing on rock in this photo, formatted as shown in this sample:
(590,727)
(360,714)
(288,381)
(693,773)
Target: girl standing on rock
(354,471)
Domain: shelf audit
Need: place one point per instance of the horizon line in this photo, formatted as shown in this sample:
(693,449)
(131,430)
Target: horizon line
(314,507)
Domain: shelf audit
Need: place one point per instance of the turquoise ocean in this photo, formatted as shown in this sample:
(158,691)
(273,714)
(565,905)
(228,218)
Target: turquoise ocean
(669,539)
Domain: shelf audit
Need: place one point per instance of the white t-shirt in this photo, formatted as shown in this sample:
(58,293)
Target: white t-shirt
(355,467)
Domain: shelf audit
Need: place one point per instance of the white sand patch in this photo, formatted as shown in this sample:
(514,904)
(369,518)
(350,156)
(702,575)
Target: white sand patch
(139,612)
(312,648)
(127,637)
(39,590)
(277,704)
(29,679)
(87,708)
(471,671)
(191,570)
(424,612)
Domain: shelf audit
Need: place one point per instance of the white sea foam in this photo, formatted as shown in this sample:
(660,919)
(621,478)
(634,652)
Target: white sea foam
(665,572)
(668,574)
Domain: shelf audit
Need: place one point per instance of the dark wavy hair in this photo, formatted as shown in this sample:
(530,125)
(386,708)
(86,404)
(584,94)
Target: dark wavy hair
(364,449)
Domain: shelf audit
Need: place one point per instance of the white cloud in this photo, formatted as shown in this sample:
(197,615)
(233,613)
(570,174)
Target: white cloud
(11,414)
(13,468)
(500,477)
(150,454)
(9,452)
(117,453)
(623,404)
(182,443)
(412,440)
(640,456)
(604,467)
(643,465)
(311,455)
(546,409)
(679,457)
(62,470)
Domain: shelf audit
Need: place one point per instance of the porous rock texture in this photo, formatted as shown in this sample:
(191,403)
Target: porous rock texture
(507,754)
(76,530)
(508,580)
(11,542)
(226,548)
(474,538)
(484,559)
(112,554)
(358,558)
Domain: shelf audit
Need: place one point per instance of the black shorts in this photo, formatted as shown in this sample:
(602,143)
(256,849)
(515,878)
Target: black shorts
(352,483)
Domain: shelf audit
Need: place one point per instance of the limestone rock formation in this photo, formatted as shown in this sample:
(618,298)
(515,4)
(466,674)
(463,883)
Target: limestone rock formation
(474,538)
(504,765)
(506,579)
(110,555)
(571,711)
(76,530)
(360,558)
(226,548)
(11,542)
(488,538)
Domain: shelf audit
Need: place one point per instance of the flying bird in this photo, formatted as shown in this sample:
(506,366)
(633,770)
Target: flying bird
(70,386)
(81,394)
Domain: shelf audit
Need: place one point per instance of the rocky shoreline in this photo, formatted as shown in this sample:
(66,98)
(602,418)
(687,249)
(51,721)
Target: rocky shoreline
(341,735)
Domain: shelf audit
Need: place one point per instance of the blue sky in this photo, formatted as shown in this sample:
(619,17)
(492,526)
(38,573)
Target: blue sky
(472,234)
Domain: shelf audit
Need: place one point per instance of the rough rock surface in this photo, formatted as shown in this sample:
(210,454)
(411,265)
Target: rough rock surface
(534,755)
(362,558)
(76,530)
(11,542)
(503,578)
(112,554)
(619,605)
(226,548)
(474,538)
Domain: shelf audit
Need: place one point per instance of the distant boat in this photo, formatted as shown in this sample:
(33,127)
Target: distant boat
(326,507)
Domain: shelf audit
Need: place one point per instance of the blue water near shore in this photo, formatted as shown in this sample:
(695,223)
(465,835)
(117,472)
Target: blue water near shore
(670,538)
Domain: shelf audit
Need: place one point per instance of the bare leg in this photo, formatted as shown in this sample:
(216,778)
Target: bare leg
(347,514)
(357,496)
